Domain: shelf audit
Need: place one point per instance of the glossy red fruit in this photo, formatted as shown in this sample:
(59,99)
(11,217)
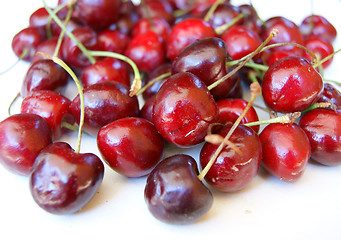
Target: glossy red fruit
(104,102)
(156,8)
(173,192)
(233,171)
(146,111)
(113,41)
(275,55)
(157,24)
(323,128)
(224,14)
(51,106)
(291,85)
(98,14)
(251,18)
(231,109)
(48,47)
(184,109)
(39,18)
(330,94)
(43,74)
(22,137)
(286,151)
(147,51)
(130,146)
(108,69)
(186,32)
(320,47)
(63,181)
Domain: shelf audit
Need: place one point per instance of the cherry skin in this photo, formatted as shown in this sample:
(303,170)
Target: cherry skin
(186,32)
(184,109)
(108,69)
(291,85)
(157,24)
(126,22)
(173,192)
(51,106)
(146,111)
(48,47)
(330,94)
(286,151)
(231,109)
(63,181)
(39,18)
(113,41)
(276,55)
(224,14)
(323,128)
(130,146)
(320,47)
(156,8)
(147,51)
(233,171)
(22,137)
(43,74)
(104,102)
(251,19)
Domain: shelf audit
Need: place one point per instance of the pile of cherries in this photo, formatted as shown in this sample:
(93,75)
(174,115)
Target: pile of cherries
(196,59)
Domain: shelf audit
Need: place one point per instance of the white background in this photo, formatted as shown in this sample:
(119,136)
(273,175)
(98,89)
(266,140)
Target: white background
(267,209)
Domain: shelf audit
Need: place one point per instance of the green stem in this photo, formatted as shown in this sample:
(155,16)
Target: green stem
(212,9)
(288,118)
(48,25)
(72,127)
(320,62)
(162,76)
(21,57)
(219,30)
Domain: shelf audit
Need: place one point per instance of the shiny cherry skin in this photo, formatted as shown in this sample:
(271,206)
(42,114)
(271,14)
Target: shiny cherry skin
(286,151)
(186,32)
(317,25)
(48,47)
(43,74)
(184,109)
(113,41)
(98,14)
(231,109)
(104,102)
(233,171)
(131,146)
(63,181)
(320,47)
(157,24)
(291,84)
(72,24)
(275,55)
(28,39)
(108,69)
(323,128)
(156,8)
(251,19)
(50,105)
(206,58)
(22,137)
(146,111)
(39,18)
(147,51)
(224,13)
(330,94)
(199,6)
(173,192)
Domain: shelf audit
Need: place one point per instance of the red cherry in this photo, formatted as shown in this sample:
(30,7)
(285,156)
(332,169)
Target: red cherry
(330,94)
(157,24)
(159,8)
(22,137)
(113,41)
(48,47)
(63,181)
(224,14)
(39,18)
(320,47)
(146,111)
(130,146)
(286,151)
(276,55)
(251,19)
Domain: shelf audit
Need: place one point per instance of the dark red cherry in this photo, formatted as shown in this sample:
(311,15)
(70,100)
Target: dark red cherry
(159,8)
(224,14)
(286,151)
(186,32)
(330,94)
(51,106)
(157,24)
(28,39)
(104,102)
(146,111)
(48,47)
(113,41)
(22,137)
(319,26)
(323,128)
(130,146)
(147,51)
(63,181)
(173,192)
(291,84)
(184,109)
(231,109)
(43,74)
(233,171)
(251,18)
(126,22)
(108,69)
(39,18)
(98,14)
(320,47)
(197,7)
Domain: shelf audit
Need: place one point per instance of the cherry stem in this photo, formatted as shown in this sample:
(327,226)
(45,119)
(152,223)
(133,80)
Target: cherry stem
(288,118)
(212,9)
(11,104)
(333,81)
(72,127)
(150,20)
(249,64)
(48,25)
(273,33)
(255,91)
(162,76)
(219,30)
(320,62)
(328,105)
(21,57)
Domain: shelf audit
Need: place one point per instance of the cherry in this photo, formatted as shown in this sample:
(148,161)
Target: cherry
(291,85)
(27,40)
(153,8)
(184,109)
(71,25)
(157,24)
(275,55)
(126,22)
(320,47)
(43,74)
(174,194)
(63,181)
(51,106)
(98,14)
(233,170)
(146,111)
(104,102)
(323,129)
(330,94)
(231,109)
(113,41)
(147,51)
(251,18)
(186,32)
(39,18)
(223,14)
(22,137)
(197,7)
(108,69)
(286,150)
(48,47)
(130,146)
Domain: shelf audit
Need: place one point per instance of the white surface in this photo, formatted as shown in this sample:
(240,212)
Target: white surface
(267,209)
